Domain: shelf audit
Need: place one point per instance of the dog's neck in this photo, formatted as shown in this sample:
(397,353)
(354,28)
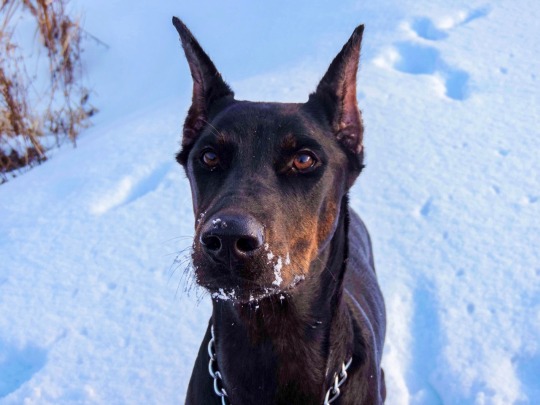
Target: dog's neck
(287,350)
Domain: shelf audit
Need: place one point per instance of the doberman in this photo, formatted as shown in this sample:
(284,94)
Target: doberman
(298,316)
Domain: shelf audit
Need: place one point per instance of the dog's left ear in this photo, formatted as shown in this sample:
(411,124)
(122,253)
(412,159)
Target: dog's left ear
(208,88)
(336,95)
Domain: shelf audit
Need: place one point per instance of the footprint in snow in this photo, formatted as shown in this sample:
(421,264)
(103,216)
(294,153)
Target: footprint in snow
(531,199)
(427,29)
(18,366)
(528,369)
(416,59)
(421,59)
(426,347)
(426,208)
(129,189)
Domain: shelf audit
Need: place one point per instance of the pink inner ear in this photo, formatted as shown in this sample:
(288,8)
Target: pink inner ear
(208,86)
(197,115)
(350,116)
(340,79)
(351,137)
(350,128)
(195,121)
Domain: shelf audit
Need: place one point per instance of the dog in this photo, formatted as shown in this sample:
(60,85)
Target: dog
(298,316)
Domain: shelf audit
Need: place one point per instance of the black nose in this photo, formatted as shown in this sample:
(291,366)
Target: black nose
(231,236)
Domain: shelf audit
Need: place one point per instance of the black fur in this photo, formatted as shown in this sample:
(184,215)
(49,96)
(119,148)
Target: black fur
(288,264)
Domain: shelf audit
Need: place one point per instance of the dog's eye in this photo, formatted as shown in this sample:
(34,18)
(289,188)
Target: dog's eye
(304,161)
(210,159)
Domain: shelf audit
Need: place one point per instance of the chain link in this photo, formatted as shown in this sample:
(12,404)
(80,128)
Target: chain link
(331,395)
(339,379)
(214,372)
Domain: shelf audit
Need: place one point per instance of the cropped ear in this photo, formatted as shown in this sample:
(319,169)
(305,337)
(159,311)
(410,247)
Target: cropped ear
(336,95)
(208,88)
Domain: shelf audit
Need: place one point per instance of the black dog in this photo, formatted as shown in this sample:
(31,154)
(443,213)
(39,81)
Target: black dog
(298,317)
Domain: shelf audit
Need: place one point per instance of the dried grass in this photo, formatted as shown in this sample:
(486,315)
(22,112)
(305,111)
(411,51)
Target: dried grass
(23,119)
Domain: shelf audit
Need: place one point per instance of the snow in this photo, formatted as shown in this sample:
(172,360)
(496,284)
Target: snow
(277,272)
(92,300)
(224,296)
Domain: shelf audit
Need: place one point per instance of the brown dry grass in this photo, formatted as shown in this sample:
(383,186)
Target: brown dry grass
(23,119)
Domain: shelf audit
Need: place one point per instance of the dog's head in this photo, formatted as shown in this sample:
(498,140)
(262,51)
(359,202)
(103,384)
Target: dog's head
(267,179)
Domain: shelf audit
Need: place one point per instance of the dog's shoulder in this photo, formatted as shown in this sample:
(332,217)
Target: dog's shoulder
(361,290)
(360,250)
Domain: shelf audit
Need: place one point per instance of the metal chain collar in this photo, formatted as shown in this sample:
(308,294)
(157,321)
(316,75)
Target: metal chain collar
(214,372)
(339,379)
(331,395)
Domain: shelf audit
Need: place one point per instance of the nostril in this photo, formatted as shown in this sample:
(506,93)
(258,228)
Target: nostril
(211,242)
(246,245)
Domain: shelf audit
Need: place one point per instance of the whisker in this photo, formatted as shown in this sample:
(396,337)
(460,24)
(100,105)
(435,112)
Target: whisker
(185,277)
(214,129)
(177,238)
(178,252)
(178,262)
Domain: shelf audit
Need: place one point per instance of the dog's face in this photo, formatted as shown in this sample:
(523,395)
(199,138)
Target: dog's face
(267,179)
(266,175)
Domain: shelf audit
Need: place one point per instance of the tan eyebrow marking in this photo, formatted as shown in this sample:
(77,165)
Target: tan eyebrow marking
(288,142)
(220,136)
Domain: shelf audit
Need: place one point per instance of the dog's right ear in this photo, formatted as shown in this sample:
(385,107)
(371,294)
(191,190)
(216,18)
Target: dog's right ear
(208,87)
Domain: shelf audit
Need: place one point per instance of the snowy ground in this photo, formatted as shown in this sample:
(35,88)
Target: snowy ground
(91,310)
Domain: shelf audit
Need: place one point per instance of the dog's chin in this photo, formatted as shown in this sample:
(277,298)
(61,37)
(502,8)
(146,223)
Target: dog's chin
(241,291)
(243,283)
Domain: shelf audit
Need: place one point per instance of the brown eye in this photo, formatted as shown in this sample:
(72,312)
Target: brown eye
(210,159)
(303,161)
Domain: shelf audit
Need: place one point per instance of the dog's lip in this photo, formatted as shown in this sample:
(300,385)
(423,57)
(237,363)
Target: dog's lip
(234,272)
(232,264)
(233,283)
(244,291)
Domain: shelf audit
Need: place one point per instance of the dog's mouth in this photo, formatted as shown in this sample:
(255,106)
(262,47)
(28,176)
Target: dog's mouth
(245,291)
(259,278)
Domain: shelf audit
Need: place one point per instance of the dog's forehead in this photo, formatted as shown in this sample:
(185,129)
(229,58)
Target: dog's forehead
(263,121)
